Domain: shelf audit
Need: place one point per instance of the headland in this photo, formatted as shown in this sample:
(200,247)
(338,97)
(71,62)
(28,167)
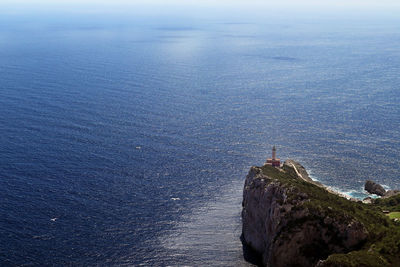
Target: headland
(291,220)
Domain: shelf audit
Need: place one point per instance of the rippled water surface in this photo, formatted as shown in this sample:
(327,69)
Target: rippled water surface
(126,140)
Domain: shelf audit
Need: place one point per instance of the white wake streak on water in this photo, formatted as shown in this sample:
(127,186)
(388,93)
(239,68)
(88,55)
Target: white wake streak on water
(211,234)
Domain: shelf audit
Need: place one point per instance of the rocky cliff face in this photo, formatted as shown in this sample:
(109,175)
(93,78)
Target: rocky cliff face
(283,222)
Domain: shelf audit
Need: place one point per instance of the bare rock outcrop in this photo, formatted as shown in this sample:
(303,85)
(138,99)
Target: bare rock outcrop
(391,193)
(287,226)
(374,188)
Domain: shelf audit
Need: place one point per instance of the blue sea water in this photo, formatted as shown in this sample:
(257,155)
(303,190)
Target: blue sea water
(125,140)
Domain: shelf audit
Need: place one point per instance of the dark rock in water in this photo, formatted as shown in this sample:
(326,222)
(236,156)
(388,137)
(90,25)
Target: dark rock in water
(374,188)
(391,193)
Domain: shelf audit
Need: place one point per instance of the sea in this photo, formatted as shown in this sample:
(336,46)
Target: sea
(126,134)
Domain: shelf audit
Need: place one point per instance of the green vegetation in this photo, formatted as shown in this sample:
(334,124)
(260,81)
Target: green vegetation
(390,204)
(357,258)
(383,243)
(394,215)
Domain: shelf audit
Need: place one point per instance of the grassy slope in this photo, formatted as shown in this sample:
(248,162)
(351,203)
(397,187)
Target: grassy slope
(394,215)
(383,245)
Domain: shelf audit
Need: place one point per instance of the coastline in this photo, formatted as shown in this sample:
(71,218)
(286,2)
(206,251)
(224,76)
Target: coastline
(350,194)
(290,219)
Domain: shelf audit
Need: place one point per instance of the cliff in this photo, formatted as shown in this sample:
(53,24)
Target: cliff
(291,220)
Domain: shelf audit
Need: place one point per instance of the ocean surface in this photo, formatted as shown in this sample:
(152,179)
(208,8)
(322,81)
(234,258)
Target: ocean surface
(126,139)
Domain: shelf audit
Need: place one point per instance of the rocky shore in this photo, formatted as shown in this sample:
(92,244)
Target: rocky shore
(374,188)
(291,220)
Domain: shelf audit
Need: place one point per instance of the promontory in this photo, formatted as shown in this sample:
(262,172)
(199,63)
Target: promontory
(290,220)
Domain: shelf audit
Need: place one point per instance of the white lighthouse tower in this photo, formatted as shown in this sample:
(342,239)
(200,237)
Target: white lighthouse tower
(273,161)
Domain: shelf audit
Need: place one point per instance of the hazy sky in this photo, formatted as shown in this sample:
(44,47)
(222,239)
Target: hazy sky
(260,7)
(288,3)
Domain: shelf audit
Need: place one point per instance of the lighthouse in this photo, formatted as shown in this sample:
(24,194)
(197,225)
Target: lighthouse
(273,153)
(273,161)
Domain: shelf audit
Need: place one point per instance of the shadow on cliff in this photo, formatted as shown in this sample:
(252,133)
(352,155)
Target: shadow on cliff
(250,255)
